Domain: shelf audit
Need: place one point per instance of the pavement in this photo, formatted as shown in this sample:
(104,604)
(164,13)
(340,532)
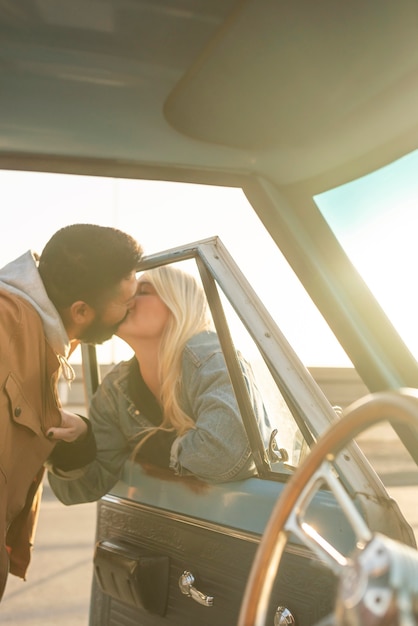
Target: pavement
(57,589)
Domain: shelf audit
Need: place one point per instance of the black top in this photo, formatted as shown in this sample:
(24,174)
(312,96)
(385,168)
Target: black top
(156,449)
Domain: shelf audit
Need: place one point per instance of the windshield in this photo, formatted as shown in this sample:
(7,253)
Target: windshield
(375,219)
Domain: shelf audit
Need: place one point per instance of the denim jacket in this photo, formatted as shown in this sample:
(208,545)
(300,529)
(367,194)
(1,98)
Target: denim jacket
(217,450)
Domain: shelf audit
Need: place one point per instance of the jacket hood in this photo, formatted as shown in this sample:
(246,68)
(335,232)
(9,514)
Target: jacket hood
(21,277)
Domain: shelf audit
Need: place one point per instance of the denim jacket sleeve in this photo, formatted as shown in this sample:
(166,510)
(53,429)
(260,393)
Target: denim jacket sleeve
(217,450)
(93,481)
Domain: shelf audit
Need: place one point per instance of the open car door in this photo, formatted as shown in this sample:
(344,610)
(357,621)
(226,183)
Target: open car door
(175,550)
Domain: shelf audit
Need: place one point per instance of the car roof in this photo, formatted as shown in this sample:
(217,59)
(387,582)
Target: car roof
(283,99)
(307,94)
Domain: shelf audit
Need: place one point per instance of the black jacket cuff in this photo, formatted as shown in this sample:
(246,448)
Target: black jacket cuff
(157,449)
(69,456)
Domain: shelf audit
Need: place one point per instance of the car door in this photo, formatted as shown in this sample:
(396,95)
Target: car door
(175,550)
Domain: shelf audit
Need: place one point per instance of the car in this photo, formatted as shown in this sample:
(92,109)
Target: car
(295,104)
(171,549)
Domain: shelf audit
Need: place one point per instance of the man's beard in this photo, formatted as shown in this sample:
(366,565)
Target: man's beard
(98,332)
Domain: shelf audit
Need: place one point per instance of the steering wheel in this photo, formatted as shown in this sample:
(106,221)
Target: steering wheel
(378,584)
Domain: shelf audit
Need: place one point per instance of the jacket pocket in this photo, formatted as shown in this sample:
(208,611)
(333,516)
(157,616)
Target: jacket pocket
(21,412)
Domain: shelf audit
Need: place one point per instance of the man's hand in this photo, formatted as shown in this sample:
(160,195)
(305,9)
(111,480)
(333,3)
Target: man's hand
(72,428)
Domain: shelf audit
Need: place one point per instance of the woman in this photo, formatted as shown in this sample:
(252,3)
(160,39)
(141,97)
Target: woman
(172,404)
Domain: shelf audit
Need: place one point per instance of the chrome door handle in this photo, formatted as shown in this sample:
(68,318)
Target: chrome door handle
(186,582)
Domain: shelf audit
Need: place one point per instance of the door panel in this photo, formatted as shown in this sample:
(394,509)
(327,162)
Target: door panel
(219,562)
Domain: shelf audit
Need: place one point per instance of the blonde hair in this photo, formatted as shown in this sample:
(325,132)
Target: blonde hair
(190,315)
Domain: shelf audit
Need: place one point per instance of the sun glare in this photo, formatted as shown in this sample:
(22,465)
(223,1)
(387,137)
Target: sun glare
(376,221)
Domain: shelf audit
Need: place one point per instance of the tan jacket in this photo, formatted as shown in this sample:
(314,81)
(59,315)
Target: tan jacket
(29,406)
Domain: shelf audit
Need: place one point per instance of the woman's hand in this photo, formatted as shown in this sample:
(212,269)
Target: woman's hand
(72,427)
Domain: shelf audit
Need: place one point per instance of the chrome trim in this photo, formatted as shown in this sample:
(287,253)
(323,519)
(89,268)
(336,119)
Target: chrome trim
(283,616)
(186,582)
(228,531)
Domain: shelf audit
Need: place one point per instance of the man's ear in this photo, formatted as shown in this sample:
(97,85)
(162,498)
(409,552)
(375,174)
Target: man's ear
(81,313)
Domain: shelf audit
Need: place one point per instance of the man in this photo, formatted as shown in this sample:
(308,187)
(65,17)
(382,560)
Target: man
(80,289)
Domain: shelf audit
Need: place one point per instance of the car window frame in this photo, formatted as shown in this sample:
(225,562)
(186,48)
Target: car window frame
(309,406)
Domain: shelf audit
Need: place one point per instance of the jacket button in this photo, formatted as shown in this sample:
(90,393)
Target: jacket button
(18,411)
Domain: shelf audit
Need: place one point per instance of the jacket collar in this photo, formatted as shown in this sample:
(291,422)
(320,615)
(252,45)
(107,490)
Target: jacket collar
(21,277)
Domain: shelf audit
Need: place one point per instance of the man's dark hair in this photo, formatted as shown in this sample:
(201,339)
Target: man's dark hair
(86,262)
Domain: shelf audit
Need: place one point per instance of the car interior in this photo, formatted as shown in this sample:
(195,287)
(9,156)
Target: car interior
(290,103)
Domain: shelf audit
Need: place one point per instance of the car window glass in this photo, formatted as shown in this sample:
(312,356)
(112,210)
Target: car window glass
(286,446)
(375,220)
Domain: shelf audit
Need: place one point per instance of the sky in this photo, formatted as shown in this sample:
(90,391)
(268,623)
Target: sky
(376,220)
(162,215)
